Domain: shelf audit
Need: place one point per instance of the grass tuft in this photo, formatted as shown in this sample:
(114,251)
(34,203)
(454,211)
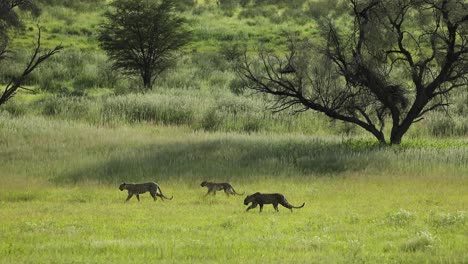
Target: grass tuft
(446,220)
(401,218)
(424,240)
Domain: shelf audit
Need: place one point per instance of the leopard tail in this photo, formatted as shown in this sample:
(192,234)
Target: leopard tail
(237,192)
(163,196)
(290,206)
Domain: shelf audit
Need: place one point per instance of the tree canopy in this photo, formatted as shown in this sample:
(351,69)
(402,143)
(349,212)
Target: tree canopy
(141,36)
(399,61)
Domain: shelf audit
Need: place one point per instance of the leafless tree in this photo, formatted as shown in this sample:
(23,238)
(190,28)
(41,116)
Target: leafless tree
(36,59)
(400,60)
(9,19)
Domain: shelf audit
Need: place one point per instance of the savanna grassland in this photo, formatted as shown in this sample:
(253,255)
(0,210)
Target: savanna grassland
(65,148)
(364,203)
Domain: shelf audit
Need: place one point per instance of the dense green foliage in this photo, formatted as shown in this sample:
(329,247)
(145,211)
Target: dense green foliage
(206,65)
(141,37)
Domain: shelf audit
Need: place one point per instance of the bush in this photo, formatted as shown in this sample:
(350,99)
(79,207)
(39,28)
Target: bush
(74,70)
(237,86)
(422,241)
(232,113)
(440,220)
(441,125)
(400,218)
(325,8)
(164,110)
(207,62)
(14,107)
(264,11)
(184,5)
(82,5)
(232,51)
(228,7)
(67,107)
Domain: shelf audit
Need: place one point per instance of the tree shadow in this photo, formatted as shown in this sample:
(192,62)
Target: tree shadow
(223,159)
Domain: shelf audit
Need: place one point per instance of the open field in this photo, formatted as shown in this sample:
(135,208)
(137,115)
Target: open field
(81,128)
(364,203)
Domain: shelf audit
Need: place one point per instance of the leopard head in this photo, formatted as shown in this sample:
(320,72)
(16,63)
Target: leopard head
(122,186)
(250,198)
(203,184)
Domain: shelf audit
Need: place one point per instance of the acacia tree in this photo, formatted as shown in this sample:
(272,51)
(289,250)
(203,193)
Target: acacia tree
(9,20)
(401,60)
(141,36)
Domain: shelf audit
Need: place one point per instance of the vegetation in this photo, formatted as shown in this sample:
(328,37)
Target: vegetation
(364,202)
(9,19)
(142,36)
(400,62)
(80,129)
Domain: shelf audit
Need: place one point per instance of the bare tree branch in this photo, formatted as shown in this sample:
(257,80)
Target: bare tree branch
(401,60)
(36,59)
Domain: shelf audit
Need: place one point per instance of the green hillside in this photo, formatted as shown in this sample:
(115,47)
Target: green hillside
(203,70)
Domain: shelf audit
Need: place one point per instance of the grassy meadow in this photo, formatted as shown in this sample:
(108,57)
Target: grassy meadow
(85,128)
(60,201)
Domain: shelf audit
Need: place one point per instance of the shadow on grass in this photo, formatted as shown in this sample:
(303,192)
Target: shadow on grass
(223,159)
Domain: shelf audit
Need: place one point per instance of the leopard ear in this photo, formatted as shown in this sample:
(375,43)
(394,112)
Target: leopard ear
(257,193)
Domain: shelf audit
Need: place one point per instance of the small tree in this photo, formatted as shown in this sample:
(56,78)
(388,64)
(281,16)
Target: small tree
(9,20)
(394,62)
(141,36)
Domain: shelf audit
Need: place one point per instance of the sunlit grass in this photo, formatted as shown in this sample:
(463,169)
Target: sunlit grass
(345,220)
(62,159)
(364,203)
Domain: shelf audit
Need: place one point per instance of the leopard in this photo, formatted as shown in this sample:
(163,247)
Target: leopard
(139,188)
(268,198)
(213,187)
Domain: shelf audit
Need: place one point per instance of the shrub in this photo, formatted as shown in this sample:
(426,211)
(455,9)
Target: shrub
(82,70)
(67,107)
(232,51)
(447,219)
(165,110)
(236,86)
(422,241)
(400,218)
(441,125)
(14,107)
(258,11)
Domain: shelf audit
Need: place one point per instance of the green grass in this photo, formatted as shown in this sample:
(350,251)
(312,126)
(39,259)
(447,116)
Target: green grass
(344,220)
(63,157)
(364,203)
(197,92)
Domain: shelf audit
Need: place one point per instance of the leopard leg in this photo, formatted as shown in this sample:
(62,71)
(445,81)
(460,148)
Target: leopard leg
(128,197)
(275,205)
(261,208)
(138,197)
(160,196)
(252,206)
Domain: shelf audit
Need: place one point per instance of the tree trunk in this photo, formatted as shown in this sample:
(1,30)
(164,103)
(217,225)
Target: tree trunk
(396,136)
(379,136)
(147,76)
